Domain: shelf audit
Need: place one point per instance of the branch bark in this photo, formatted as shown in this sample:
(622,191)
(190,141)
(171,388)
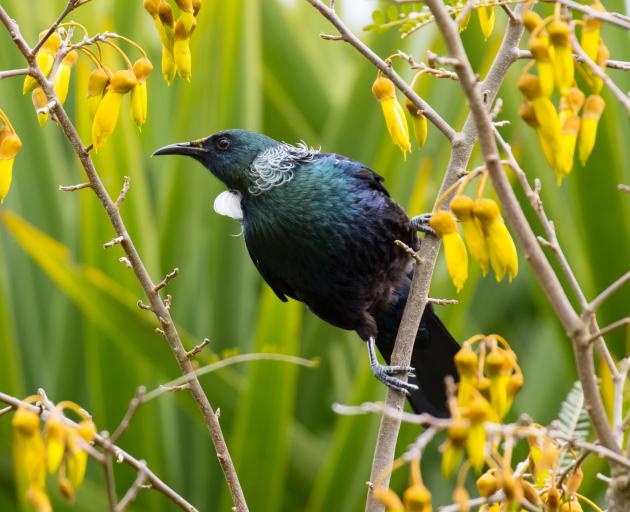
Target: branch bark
(158,307)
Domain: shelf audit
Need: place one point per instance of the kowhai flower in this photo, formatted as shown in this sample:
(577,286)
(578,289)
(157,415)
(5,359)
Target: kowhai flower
(62,77)
(486,20)
(45,59)
(462,206)
(563,65)
(97,82)
(593,109)
(141,69)
(443,222)
(385,92)
(501,247)
(10,145)
(108,111)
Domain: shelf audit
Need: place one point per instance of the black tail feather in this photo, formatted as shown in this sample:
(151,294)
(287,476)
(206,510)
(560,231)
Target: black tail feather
(432,356)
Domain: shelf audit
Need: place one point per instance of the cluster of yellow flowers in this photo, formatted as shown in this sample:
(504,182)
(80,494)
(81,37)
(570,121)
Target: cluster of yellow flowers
(416,498)
(395,119)
(485,233)
(490,377)
(45,61)
(560,132)
(58,449)
(10,144)
(105,88)
(174,35)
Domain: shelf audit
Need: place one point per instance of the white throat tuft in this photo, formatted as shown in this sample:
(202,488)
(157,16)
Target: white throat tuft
(228,203)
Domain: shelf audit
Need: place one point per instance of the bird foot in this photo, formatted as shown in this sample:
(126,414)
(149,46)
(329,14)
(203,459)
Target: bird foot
(421,223)
(385,374)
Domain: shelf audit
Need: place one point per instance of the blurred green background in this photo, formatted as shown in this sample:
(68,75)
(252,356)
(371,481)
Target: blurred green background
(68,319)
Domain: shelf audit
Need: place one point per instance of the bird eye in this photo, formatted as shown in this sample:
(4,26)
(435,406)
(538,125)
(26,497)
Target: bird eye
(223,143)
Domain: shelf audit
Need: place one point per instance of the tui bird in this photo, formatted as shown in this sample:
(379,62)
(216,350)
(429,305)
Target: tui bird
(320,229)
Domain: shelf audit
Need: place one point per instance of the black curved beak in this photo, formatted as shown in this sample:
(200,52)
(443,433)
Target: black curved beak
(181,148)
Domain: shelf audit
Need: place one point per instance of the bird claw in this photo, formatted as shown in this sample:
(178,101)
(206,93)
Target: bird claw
(385,375)
(421,223)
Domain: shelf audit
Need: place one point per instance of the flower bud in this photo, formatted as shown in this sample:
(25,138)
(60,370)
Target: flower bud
(539,46)
(488,484)
(574,481)
(97,82)
(142,68)
(388,498)
(419,121)
(593,109)
(531,20)
(417,498)
(563,64)
(152,7)
(40,101)
(123,81)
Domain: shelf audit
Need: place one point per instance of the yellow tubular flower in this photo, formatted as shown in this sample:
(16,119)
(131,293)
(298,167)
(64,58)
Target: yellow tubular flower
(184,28)
(590,36)
(28,449)
(62,77)
(531,20)
(384,91)
(499,369)
(462,207)
(165,23)
(563,64)
(388,498)
(593,109)
(464,23)
(571,103)
(478,413)
(500,244)
(45,59)
(76,462)
(10,144)
(539,46)
(141,69)
(417,498)
(39,500)
(546,115)
(419,121)
(97,82)
(457,434)
(488,484)
(570,131)
(55,438)
(602,56)
(40,101)
(527,113)
(109,108)
(443,222)
(486,20)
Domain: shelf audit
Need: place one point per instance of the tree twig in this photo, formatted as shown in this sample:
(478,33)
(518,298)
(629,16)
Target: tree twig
(131,411)
(157,304)
(104,443)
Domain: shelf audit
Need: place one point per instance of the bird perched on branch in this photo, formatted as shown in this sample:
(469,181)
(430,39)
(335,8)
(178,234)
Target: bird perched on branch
(320,229)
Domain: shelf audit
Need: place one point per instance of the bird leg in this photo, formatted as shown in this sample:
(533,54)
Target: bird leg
(385,373)
(421,223)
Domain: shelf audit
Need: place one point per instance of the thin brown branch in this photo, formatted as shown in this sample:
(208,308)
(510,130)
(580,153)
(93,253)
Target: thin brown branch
(442,302)
(606,294)
(114,241)
(6,410)
(409,251)
(612,86)
(198,348)
(14,72)
(610,63)
(137,264)
(73,188)
(106,445)
(463,144)
(110,482)
(70,6)
(131,411)
(348,36)
(123,193)
(609,328)
(167,279)
(132,492)
(573,324)
(603,16)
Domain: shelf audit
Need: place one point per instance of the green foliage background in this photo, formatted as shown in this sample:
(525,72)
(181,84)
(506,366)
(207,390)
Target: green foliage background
(68,320)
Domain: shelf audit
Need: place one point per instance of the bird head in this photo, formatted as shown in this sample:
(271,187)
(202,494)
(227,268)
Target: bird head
(227,154)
